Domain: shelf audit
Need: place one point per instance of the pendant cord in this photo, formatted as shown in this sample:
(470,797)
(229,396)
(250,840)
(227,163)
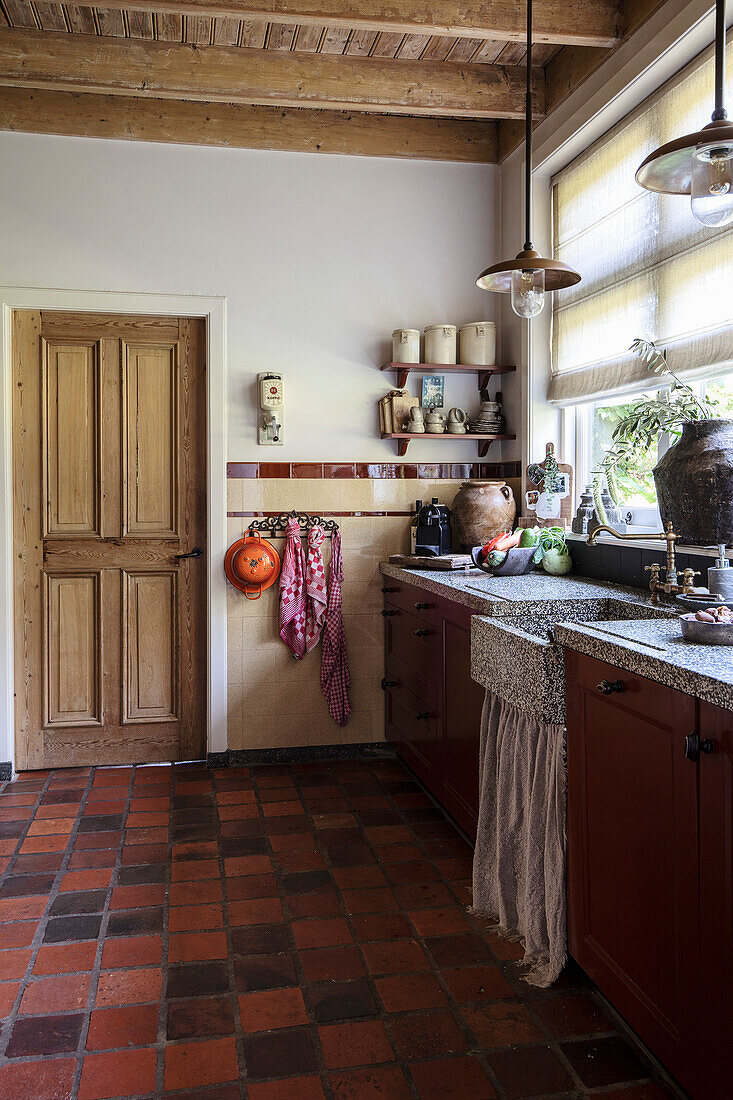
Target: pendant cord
(720,113)
(528,134)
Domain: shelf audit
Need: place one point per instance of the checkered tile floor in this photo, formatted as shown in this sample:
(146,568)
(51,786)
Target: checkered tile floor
(278,933)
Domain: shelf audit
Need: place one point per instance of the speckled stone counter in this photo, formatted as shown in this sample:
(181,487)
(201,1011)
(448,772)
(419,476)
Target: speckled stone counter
(657,651)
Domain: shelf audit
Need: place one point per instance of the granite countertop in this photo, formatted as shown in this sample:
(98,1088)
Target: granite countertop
(523,623)
(656,649)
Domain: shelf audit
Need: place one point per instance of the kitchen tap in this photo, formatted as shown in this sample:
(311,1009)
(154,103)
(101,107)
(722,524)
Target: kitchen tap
(669,585)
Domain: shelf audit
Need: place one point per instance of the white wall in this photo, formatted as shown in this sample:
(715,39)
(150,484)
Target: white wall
(320,257)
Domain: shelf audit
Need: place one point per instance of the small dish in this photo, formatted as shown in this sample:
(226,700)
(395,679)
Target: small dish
(519,560)
(695,601)
(693,630)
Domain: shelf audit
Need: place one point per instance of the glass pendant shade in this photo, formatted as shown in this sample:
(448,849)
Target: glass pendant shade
(712,184)
(528,291)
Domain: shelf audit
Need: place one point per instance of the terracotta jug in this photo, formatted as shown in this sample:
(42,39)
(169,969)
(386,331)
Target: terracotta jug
(482,510)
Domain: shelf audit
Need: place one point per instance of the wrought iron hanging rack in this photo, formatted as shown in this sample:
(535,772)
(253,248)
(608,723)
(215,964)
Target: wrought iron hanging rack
(277,525)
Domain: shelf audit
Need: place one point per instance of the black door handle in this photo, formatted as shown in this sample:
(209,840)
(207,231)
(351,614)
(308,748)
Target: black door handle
(421,633)
(422,714)
(608,687)
(390,589)
(387,613)
(422,606)
(694,745)
(387,683)
(197,552)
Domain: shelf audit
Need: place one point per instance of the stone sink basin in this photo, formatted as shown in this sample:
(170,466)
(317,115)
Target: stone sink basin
(515,655)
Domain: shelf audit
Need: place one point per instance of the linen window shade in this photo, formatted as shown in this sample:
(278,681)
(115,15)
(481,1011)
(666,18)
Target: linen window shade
(649,268)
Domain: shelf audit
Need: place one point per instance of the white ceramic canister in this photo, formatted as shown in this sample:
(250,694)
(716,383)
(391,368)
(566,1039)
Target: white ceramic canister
(440,344)
(478,344)
(406,345)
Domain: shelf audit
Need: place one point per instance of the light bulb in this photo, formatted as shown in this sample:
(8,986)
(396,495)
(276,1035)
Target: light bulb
(528,292)
(712,184)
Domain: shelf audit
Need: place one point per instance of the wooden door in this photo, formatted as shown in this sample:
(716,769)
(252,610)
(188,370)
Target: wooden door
(109,490)
(632,833)
(714,1034)
(461,703)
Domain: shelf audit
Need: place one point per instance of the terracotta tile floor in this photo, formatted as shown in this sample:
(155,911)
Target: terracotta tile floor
(273,933)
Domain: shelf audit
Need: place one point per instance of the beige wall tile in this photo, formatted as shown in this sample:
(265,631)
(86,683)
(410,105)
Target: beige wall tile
(235,494)
(358,494)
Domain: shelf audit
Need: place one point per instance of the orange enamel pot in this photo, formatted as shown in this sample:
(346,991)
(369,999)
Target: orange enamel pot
(252,564)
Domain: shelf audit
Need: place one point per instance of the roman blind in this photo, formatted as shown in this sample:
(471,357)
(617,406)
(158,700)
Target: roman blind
(649,268)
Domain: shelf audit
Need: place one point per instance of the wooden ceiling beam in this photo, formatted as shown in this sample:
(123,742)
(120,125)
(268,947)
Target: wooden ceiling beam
(226,124)
(83,63)
(582,23)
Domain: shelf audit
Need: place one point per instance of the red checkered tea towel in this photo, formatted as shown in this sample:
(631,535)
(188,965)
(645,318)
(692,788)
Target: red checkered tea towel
(335,678)
(315,585)
(292,592)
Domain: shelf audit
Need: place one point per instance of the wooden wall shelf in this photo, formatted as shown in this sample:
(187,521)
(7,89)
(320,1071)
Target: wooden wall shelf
(484,440)
(404,370)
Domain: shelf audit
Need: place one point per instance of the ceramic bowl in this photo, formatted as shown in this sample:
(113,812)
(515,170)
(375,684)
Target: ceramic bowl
(519,560)
(705,633)
(700,602)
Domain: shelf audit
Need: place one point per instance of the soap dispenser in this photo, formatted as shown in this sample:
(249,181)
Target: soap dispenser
(720,576)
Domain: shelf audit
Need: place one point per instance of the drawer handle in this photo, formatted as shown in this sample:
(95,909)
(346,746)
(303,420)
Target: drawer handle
(422,606)
(386,613)
(421,633)
(694,745)
(422,714)
(609,687)
(387,683)
(389,589)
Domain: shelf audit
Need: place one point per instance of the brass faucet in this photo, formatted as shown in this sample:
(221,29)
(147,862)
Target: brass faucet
(670,584)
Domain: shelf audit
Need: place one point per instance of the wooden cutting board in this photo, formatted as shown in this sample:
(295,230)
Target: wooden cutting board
(445,561)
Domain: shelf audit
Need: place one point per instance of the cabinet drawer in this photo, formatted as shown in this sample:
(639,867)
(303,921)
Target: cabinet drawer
(420,682)
(642,697)
(410,598)
(411,640)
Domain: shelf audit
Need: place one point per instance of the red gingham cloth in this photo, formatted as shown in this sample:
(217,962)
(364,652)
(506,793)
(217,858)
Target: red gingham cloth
(315,585)
(292,592)
(335,678)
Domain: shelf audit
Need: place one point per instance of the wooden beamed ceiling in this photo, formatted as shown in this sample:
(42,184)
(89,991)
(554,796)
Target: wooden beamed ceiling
(433,79)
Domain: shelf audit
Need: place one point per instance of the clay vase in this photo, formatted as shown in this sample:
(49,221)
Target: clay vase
(482,510)
(694,481)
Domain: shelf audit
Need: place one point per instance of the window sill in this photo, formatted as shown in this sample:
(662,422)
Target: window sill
(648,544)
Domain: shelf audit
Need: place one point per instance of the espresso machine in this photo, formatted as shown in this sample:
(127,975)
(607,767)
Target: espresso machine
(434,534)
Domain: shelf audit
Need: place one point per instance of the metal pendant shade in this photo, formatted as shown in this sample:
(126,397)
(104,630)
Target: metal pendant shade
(557,276)
(668,170)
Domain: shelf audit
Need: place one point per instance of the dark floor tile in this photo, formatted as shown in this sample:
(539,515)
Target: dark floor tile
(355,855)
(528,1071)
(199,1016)
(184,801)
(38,861)
(60,929)
(138,876)
(11,829)
(280,1053)
(334,1001)
(21,886)
(35,1035)
(378,817)
(194,815)
(426,1034)
(303,882)
(260,939)
(132,922)
(56,798)
(332,963)
(254,845)
(197,979)
(459,950)
(600,1062)
(194,832)
(78,901)
(264,972)
(100,823)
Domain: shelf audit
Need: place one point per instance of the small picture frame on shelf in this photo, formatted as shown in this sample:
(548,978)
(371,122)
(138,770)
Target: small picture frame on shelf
(433,388)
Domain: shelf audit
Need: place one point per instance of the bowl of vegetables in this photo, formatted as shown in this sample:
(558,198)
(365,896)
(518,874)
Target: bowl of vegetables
(503,556)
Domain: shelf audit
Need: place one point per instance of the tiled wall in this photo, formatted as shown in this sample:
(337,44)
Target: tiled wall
(274,700)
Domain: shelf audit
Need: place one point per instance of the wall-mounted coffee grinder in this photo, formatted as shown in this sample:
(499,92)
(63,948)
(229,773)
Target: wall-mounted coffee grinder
(270,424)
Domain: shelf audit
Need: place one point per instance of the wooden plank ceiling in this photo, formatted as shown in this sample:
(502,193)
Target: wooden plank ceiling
(436,79)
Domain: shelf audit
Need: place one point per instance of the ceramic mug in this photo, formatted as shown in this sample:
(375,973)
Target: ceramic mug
(457,422)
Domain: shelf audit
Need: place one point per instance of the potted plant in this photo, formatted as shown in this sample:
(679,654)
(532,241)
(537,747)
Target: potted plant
(694,479)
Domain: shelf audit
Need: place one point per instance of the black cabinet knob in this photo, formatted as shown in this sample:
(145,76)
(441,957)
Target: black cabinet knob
(420,633)
(387,683)
(389,589)
(694,745)
(422,714)
(422,606)
(387,612)
(609,687)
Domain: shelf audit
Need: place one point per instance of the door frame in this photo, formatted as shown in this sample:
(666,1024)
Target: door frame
(214,311)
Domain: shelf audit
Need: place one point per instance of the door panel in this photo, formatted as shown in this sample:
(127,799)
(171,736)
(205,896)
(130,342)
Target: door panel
(151,474)
(109,453)
(150,647)
(73,646)
(70,438)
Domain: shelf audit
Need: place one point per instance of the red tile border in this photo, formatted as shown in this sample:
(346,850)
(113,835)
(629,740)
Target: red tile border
(375,470)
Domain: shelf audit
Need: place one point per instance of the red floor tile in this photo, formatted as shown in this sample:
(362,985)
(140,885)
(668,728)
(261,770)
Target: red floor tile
(63,993)
(207,1062)
(136,897)
(452,1079)
(192,870)
(20,934)
(67,958)
(332,962)
(50,1079)
(477,983)
(256,911)
(247,865)
(321,933)
(128,951)
(304,1088)
(197,946)
(8,993)
(409,992)
(195,918)
(386,1081)
(357,1043)
(502,1025)
(92,879)
(426,1034)
(440,922)
(398,957)
(123,1073)
(127,987)
(130,1026)
(207,893)
(272,1008)
(13,964)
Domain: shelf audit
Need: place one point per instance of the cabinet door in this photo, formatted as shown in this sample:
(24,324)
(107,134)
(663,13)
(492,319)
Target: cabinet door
(410,693)
(632,855)
(461,700)
(715,1030)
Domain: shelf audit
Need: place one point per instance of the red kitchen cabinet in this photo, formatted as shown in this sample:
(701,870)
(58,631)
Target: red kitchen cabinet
(649,864)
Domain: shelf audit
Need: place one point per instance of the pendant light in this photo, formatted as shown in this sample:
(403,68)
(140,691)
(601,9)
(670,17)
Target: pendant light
(700,164)
(530,275)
